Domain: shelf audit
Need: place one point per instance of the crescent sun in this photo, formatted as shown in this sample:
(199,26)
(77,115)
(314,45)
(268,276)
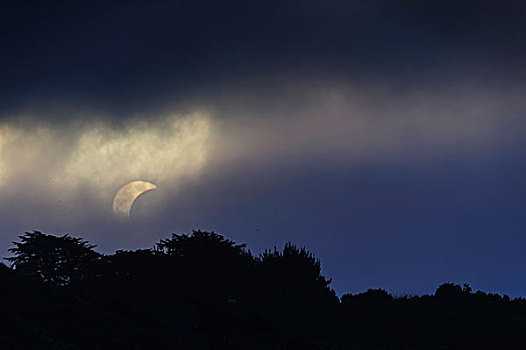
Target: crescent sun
(127,195)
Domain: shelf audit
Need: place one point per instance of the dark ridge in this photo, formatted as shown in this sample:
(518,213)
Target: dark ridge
(202,291)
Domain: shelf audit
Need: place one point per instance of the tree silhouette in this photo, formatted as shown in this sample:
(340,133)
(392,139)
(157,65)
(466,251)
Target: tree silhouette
(205,263)
(203,291)
(197,244)
(294,270)
(51,259)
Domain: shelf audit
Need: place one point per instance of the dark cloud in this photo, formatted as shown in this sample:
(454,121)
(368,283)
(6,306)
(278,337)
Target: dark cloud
(129,56)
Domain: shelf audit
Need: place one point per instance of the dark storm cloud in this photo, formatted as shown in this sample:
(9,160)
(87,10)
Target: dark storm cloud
(128,56)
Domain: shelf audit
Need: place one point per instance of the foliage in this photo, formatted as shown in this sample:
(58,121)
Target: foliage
(293,269)
(51,259)
(197,244)
(203,291)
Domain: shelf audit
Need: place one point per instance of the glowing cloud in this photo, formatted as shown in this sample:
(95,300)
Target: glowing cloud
(105,157)
(84,165)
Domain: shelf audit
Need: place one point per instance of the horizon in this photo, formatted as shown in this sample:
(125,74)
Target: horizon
(394,293)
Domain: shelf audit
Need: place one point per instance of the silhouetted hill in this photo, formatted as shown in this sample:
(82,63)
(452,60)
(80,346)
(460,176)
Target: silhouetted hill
(38,316)
(202,291)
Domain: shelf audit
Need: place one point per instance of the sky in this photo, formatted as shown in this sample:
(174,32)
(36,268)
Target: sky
(387,137)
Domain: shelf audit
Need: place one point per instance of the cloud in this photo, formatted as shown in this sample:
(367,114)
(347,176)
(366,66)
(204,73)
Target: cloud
(345,123)
(123,58)
(160,151)
(82,163)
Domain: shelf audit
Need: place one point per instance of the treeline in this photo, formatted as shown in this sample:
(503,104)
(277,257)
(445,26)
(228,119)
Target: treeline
(202,291)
